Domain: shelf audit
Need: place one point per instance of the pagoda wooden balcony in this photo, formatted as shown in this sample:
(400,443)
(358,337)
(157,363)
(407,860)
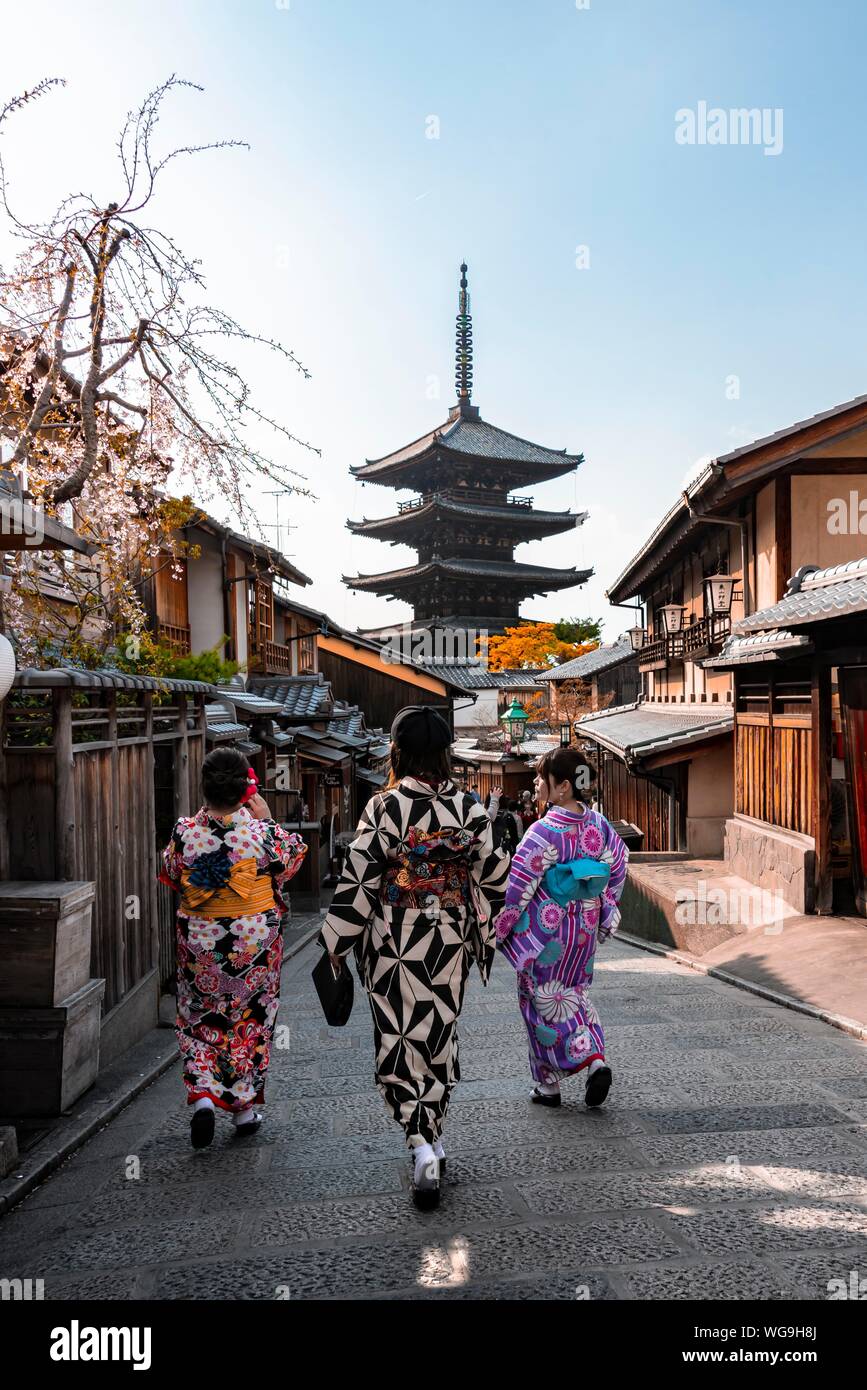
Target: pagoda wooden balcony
(705,635)
(467,495)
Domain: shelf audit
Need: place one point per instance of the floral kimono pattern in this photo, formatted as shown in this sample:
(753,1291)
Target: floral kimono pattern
(553,948)
(229,871)
(415,902)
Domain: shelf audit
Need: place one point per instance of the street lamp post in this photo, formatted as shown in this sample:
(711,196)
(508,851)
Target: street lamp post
(514,723)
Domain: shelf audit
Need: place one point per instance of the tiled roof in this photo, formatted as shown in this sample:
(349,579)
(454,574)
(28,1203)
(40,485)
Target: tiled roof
(509,571)
(478,438)
(591,663)
(636,731)
(837,592)
(480,678)
(761,646)
(526,516)
(33,677)
(713,470)
(299,697)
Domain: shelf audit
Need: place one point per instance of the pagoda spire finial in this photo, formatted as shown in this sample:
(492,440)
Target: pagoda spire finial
(464,343)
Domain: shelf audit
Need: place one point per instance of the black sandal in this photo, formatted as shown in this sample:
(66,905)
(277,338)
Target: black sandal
(598,1086)
(202,1127)
(539,1098)
(250,1126)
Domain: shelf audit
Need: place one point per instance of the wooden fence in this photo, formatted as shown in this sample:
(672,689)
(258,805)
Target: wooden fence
(94,769)
(774,754)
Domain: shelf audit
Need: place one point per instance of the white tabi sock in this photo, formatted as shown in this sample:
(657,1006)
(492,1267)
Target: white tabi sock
(595,1065)
(548,1088)
(422,1156)
(203,1103)
(243,1117)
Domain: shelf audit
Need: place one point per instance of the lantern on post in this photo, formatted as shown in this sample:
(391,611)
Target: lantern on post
(565,735)
(514,723)
(672,618)
(718,591)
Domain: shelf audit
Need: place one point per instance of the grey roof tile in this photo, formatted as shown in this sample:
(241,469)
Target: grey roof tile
(837,592)
(591,663)
(644,728)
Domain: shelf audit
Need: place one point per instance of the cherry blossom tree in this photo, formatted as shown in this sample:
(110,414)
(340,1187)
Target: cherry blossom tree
(117,377)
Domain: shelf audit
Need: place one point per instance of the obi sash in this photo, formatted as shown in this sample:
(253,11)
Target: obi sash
(577,878)
(248,892)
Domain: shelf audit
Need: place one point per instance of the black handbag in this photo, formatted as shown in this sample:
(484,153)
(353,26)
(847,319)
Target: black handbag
(336,992)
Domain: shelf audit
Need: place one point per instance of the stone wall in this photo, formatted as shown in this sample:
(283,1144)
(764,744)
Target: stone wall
(778,861)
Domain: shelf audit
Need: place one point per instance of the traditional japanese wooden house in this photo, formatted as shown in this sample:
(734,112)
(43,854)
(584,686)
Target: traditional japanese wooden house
(722,555)
(800,679)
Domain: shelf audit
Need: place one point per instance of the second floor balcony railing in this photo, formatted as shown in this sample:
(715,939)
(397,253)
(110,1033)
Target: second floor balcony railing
(702,635)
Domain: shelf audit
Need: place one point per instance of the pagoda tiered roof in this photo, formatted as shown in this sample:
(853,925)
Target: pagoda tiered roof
(518,514)
(534,579)
(465,435)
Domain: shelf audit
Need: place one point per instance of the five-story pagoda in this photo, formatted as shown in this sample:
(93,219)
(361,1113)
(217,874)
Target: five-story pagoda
(465,524)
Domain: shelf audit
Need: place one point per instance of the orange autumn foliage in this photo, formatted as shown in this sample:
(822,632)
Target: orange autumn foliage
(532,645)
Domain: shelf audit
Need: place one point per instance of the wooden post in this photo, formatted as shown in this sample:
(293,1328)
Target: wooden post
(182,762)
(115,871)
(821,799)
(149,899)
(64,785)
(4,825)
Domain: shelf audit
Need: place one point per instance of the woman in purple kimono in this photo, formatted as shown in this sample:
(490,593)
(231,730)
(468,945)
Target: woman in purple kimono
(552,944)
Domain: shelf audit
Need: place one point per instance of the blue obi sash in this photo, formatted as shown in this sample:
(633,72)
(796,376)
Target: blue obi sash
(577,878)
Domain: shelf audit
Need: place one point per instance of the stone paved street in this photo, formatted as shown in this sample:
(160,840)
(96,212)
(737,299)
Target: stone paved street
(730,1162)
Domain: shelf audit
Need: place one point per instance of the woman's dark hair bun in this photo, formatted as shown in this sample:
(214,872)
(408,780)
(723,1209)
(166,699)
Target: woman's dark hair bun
(224,777)
(568,765)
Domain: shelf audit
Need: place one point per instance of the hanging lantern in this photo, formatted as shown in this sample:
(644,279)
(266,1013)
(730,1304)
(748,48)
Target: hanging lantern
(636,638)
(7,666)
(672,618)
(514,723)
(718,591)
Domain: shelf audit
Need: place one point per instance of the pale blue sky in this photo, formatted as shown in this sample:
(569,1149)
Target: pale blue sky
(342,229)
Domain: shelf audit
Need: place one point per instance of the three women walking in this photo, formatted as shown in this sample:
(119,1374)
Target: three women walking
(425,892)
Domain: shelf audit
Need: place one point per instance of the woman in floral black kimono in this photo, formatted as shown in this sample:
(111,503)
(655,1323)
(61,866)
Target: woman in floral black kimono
(415,902)
(229,863)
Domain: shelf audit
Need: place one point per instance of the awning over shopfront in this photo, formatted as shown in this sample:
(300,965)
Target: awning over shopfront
(635,732)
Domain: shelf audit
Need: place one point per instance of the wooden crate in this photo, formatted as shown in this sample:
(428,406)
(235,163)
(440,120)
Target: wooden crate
(49,1056)
(45,930)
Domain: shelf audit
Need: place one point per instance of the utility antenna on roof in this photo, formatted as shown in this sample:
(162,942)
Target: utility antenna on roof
(464,343)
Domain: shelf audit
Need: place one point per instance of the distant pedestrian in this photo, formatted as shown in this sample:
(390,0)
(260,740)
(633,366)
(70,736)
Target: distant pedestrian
(474,793)
(229,863)
(527,810)
(564,886)
(415,902)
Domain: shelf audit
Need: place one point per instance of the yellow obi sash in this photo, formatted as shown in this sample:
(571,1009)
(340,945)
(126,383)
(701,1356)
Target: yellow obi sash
(246,893)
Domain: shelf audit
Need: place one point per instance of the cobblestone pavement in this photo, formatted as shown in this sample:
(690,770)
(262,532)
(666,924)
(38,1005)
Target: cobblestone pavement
(730,1162)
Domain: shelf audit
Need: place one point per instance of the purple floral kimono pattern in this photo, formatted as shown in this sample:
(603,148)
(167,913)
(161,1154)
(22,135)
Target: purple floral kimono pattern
(551,947)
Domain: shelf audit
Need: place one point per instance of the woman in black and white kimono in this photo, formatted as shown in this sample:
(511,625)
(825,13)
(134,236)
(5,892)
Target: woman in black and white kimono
(421,884)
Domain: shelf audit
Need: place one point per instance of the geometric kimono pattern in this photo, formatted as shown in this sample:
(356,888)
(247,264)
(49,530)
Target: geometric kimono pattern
(415,902)
(552,947)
